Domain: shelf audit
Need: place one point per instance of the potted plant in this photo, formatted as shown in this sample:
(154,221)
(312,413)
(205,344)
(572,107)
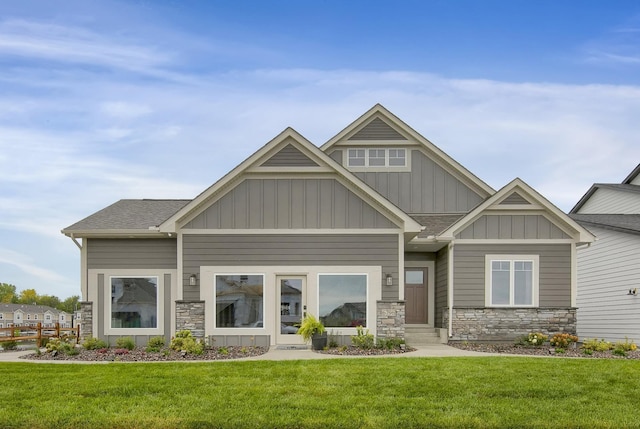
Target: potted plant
(313,330)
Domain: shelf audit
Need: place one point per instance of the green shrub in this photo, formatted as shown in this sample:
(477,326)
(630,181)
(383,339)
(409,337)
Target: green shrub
(363,339)
(93,343)
(125,343)
(597,345)
(155,344)
(563,340)
(619,352)
(9,345)
(59,345)
(627,346)
(535,339)
(184,341)
(389,343)
(332,340)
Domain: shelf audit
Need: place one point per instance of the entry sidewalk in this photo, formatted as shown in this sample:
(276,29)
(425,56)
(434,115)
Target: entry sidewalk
(435,350)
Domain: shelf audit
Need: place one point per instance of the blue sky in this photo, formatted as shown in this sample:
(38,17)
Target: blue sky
(103,100)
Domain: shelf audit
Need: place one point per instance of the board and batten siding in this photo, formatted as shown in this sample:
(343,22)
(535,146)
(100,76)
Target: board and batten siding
(606,200)
(554,272)
(606,271)
(441,278)
(290,204)
(132,253)
(427,188)
(290,250)
(512,227)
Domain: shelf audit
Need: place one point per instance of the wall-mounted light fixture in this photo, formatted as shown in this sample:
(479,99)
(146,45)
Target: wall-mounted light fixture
(389,279)
(193,280)
(633,292)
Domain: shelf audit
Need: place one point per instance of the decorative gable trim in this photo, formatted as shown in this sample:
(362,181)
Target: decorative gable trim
(410,137)
(254,167)
(289,156)
(539,206)
(377,129)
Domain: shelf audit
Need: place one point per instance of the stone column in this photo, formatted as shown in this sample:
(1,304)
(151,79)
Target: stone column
(390,319)
(190,315)
(86,319)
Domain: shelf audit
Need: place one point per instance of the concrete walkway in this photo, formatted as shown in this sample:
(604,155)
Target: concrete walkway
(435,350)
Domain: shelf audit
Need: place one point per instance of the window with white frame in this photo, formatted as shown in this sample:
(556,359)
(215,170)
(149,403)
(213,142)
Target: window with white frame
(47,317)
(239,300)
(356,158)
(377,157)
(512,280)
(35,317)
(28,317)
(134,302)
(1,316)
(343,299)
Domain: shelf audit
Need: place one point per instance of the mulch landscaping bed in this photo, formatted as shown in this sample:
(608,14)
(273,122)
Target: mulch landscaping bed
(140,355)
(542,351)
(356,351)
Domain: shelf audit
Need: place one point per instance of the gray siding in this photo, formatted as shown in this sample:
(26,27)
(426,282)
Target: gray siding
(512,227)
(296,250)
(289,156)
(290,203)
(336,155)
(554,275)
(606,271)
(441,278)
(427,188)
(606,200)
(132,253)
(377,129)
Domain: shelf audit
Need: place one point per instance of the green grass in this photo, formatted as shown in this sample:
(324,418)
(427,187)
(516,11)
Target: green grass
(349,393)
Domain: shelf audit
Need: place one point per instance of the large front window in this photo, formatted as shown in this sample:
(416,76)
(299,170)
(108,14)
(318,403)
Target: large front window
(134,302)
(239,300)
(343,299)
(512,280)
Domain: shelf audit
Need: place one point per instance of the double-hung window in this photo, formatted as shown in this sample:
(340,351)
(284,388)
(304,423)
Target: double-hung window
(512,280)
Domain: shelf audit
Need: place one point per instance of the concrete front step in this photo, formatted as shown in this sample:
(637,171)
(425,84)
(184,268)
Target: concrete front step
(418,335)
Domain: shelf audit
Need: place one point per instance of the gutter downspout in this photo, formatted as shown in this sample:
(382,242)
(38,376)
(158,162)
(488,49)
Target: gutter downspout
(450,288)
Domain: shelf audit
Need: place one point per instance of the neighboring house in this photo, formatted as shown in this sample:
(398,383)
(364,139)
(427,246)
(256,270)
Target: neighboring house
(377,227)
(609,269)
(30,315)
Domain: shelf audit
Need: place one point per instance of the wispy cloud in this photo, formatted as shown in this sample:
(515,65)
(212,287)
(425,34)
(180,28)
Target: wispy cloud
(25,264)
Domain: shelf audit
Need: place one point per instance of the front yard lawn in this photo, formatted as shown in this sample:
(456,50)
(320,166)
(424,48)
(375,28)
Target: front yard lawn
(342,393)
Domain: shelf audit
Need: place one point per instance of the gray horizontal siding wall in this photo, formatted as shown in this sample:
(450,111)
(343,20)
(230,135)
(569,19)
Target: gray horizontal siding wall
(606,271)
(554,274)
(441,278)
(132,253)
(289,156)
(427,188)
(606,200)
(512,227)
(295,250)
(290,203)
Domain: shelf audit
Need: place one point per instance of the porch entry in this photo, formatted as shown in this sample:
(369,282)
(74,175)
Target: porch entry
(292,307)
(415,295)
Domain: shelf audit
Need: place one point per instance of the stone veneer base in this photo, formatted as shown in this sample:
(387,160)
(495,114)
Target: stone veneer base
(507,324)
(390,319)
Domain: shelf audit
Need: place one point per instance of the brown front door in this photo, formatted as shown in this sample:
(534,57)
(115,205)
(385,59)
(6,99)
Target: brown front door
(415,295)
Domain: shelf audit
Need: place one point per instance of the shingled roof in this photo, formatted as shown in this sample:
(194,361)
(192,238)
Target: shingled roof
(434,224)
(629,223)
(129,215)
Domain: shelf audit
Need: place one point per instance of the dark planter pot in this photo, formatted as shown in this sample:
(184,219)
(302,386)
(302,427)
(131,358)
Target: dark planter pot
(319,341)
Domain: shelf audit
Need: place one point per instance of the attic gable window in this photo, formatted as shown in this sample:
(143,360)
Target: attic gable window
(377,157)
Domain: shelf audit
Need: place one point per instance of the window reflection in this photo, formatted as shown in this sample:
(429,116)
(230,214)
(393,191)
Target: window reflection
(343,300)
(239,300)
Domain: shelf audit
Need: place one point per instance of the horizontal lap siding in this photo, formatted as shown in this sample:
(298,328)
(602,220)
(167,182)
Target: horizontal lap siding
(442,267)
(606,271)
(132,253)
(554,272)
(611,201)
(296,250)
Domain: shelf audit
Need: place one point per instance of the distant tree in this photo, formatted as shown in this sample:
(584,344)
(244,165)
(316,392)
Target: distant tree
(7,293)
(69,304)
(49,300)
(28,296)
